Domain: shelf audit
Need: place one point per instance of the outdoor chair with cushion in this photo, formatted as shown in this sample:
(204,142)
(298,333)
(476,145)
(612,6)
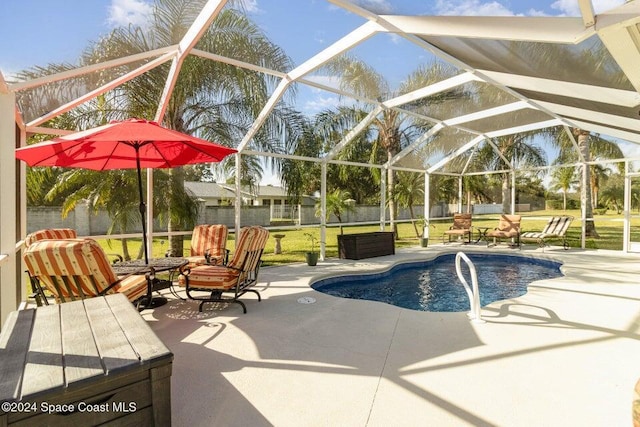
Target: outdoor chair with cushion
(556,228)
(461,227)
(508,228)
(74,269)
(209,245)
(38,293)
(234,279)
(50,233)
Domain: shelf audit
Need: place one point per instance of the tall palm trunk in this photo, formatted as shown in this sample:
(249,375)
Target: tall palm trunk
(176,243)
(585,188)
(392,202)
(506,194)
(125,250)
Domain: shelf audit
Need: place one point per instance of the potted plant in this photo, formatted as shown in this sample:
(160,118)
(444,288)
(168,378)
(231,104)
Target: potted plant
(312,256)
(424,239)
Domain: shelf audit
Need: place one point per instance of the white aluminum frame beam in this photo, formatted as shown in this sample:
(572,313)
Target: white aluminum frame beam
(524,128)
(199,26)
(490,112)
(347,42)
(353,133)
(616,133)
(475,141)
(601,118)
(588,15)
(90,68)
(621,97)
(237,63)
(102,89)
(528,28)
(428,134)
(432,89)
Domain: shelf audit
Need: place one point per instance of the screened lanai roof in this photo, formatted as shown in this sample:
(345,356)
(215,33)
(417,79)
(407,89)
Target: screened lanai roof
(515,73)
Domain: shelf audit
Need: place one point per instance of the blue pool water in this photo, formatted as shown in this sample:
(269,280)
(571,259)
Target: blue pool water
(434,285)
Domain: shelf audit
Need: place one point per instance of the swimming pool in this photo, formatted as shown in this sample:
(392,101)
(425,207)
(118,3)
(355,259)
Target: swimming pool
(434,285)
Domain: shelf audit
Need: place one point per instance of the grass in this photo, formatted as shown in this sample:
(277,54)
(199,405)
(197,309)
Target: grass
(295,244)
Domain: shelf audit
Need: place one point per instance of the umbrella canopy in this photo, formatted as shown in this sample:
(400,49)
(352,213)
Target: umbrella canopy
(129,144)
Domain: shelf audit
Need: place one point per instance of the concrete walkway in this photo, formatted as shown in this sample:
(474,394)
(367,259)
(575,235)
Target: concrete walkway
(564,354)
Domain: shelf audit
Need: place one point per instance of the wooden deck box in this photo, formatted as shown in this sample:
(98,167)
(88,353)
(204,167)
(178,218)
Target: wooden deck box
(366,245)
(88,362)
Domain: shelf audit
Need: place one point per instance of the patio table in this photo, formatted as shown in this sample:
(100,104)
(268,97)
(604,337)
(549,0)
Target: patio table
(171,265)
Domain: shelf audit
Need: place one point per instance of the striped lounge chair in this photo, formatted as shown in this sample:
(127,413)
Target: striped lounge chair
(50,233)
(508,228)
(556,228)
(74,269)
(37,293)
(234,279)
(209,245)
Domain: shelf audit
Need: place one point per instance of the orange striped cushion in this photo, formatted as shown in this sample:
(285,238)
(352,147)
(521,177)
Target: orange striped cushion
(200,260)
(133,287)
(53,261)
(243,245)
(51,233)
(211,277)
(209,237)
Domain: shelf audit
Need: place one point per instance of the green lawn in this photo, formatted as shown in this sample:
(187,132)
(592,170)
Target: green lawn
(295,243)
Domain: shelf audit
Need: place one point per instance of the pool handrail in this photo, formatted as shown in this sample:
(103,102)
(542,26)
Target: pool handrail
(472,292)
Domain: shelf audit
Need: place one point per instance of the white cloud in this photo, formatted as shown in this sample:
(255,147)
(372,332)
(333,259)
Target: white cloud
(534,12)
(571,8)
(251,6)
(321,103)
(395,39)
(380,7)
(471,8)
(125,12)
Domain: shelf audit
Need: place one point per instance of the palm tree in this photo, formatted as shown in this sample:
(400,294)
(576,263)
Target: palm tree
(409,191)
(590,147)
(212,100)
(563,180)
(101,190)
(613,192)
(520,150)
(393,130)
(337,202)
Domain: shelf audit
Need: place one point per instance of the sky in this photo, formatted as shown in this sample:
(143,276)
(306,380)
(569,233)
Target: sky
(38,32)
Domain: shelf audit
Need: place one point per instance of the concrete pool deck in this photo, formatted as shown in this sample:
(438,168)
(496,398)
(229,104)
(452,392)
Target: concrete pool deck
(564,354)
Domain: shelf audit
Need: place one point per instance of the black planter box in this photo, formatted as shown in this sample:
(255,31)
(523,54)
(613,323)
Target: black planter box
(366,245)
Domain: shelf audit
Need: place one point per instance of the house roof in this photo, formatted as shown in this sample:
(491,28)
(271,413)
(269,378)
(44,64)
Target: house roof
(216,190)
(209,190)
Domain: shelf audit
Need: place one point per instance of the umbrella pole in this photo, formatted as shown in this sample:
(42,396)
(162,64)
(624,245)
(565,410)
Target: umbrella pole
(142,206)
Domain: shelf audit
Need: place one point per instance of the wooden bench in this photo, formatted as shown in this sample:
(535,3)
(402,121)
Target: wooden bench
(84,362)
(366,245)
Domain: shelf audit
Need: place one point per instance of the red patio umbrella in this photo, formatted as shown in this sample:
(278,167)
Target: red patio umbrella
(128,144)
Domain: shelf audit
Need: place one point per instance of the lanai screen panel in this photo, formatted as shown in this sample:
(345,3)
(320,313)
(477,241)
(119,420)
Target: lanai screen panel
(588,62)
(435,149)
(581,83)
(36,101)
(508,120)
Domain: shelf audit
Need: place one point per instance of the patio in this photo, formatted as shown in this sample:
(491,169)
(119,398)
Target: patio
(563,354)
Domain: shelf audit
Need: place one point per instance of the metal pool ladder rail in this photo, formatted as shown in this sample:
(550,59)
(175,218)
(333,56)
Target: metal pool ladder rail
(472,292)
